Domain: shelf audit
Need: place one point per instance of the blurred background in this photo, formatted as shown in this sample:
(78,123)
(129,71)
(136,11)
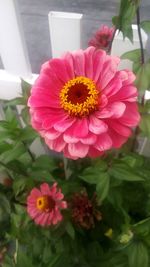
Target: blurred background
(34,16)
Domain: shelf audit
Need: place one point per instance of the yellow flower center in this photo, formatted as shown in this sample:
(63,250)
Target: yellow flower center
(45,203)
(79,96)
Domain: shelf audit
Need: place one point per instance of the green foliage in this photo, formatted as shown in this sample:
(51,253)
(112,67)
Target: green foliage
(133,55)
(142,77)
(145,125)
(124,172)
(138,254)
(124,20)
(145,25)
(117,185)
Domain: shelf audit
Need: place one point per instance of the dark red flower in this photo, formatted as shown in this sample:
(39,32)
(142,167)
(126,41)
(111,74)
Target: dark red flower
(84,210)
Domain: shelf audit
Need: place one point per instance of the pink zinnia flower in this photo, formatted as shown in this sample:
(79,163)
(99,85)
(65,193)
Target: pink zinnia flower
(44,205)
(102,37)
(82,105)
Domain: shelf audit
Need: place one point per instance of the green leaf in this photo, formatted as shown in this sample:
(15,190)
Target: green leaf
(14,102)
(92,175)
(25,115)
(15,152)
(138,255)
(133,160)
(26,88)
(27,134)
(102,187)
(133,55)
(145,125)
(145,25)
(123,172)
(70,230)
(124,21)
(142,228)
(142,77)
(44,162)
(19,185)
(23,260)
(4,208)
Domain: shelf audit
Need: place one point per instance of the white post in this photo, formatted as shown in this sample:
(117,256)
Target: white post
(12,45)
(64,32)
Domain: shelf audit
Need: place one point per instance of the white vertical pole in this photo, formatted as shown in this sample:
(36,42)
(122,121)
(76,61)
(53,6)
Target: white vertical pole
(65,32)
(12,45)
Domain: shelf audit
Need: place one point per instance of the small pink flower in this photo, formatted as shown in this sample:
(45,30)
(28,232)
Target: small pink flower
(82,105)
(44,205)
(102,37)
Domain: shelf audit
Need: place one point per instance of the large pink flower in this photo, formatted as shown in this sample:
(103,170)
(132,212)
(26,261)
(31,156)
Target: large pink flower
(44,205)
(81,105)
(102,37)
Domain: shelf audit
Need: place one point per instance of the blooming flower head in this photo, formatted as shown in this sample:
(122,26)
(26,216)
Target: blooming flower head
(84,211)
(82,105)
(44,205)
(102,37)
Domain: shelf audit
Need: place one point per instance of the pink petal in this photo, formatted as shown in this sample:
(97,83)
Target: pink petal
(42,219)
(70,139)
(78,150)
(60,70)
(57,217)
(42,100)
(50,134)
(62,204)
(93,152)
(126,93)
(33,212)
(112,87)
(98,61)
(46,85)
(97,126)
(59,196)
(131,77)
(109,70)
(36,125)
(79,63)
(131,117)
(89,52)
(52,119)
(67,154)
(103,101)
(117,139)
(119,128)
(35,193)
(57,144)
(89,140)
(113,110)
(45,189)
(78,129)
(64,124)
(69,64)
(103,143)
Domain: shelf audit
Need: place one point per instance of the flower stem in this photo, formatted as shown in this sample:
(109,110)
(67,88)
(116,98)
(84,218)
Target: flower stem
(137,130)
(111,42)
(140,36)
(66,169)
(16,252)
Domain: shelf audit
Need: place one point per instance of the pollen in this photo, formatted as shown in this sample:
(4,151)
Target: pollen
(45,203)
(79,96)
